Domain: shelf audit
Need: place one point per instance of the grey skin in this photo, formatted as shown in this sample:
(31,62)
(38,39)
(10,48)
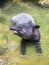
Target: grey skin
(28,32)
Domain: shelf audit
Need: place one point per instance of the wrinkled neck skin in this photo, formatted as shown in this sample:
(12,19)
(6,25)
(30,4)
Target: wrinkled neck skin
(30,34)
(26,31)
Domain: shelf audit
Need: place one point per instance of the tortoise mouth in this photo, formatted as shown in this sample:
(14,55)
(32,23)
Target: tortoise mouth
(15,32)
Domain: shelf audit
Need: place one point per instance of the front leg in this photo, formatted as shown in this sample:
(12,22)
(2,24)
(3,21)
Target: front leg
(23,48)
(38,47)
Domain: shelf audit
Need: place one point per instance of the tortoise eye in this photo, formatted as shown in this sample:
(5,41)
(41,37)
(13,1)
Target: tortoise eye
(37,26)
